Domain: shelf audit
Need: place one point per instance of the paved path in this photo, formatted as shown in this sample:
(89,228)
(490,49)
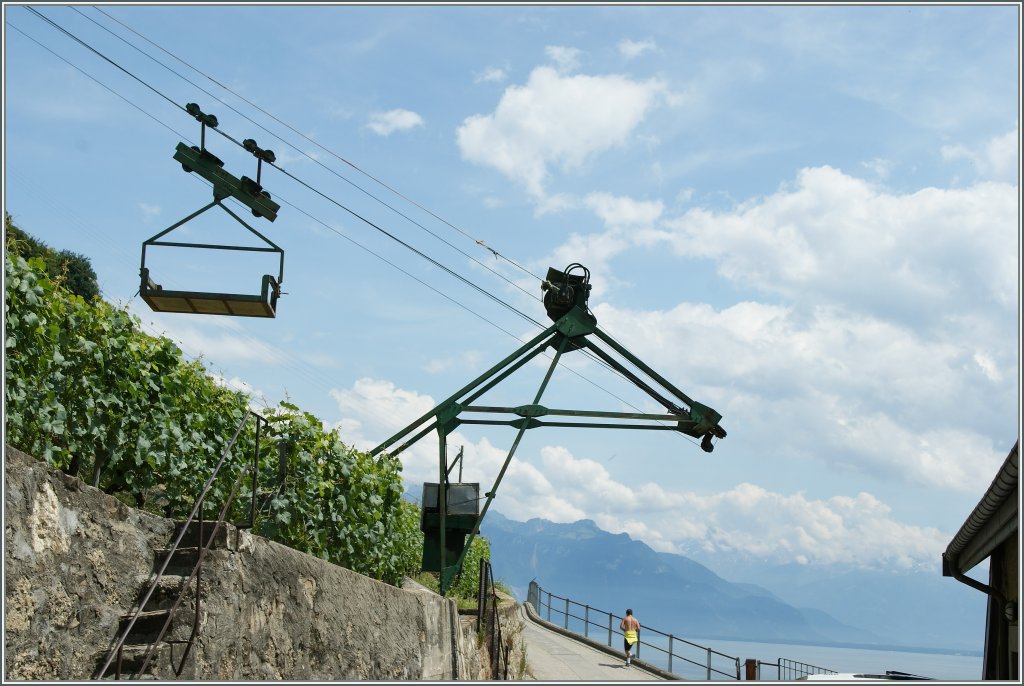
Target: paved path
(554,657)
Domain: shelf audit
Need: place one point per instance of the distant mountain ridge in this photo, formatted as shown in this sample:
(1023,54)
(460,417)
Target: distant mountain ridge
(677,594)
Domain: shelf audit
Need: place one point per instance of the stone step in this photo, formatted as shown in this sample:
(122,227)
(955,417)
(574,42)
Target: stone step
(148,624)
(192,535)
(168,589)
(182,561)
(132,657)
(141,677)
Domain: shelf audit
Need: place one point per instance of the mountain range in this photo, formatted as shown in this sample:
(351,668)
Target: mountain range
(811,604)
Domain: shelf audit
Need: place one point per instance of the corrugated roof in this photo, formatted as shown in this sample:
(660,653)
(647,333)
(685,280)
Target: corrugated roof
(993,520)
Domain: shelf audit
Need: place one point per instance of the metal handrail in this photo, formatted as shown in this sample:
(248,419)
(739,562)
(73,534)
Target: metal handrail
(535,597)
(197,511)
(791,670)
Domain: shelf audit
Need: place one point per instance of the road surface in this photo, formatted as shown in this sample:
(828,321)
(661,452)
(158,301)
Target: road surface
(554,657)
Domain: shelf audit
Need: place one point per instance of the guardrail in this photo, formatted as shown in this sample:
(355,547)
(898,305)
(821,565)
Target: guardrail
(789,670)
(667,651)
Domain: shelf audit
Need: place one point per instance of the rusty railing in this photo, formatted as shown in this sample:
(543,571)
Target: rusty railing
(197,517)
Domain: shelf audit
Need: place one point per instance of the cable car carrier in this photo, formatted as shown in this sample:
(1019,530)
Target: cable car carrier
(251,194)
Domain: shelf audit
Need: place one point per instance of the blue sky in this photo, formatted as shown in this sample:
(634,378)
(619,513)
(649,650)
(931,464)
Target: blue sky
(804,217)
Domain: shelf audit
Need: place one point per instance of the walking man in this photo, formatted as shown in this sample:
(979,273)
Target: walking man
(630,634)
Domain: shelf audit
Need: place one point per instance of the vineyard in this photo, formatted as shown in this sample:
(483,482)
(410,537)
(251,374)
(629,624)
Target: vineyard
(97,398)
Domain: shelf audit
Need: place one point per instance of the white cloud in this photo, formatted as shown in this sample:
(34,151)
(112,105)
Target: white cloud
(988,366)
(149,212)
(287,158)
(379,407)
(257,399)
(632,49)
(624,212)
(623,217)
(746,518)
(491,75)
(556,121)
(214,338)
(319,359)
(556,485)
(386,123)
(566,59)
(998,158)
(835,237)
(896,316)
(880,167)
(851,392)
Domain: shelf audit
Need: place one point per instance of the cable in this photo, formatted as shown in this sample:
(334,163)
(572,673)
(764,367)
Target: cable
(324,148)
(392,264)
(301,182)
(100,54)
(303,152)
(212,79)
(353,213)
(322,223)
(108,88)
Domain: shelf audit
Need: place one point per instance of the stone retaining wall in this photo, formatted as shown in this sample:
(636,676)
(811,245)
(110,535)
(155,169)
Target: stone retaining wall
(76,561)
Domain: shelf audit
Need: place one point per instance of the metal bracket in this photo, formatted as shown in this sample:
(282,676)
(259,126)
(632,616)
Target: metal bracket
(566,302)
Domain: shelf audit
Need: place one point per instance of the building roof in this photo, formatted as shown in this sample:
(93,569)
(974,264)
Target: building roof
(994,519)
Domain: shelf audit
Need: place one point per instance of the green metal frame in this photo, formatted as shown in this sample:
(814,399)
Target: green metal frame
(568,333)
(225,185)
(199,302)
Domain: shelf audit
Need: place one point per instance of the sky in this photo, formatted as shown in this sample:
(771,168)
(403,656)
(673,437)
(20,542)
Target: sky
(805,217)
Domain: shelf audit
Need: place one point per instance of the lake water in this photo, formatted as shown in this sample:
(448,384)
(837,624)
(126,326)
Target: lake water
(691,661)
(692,657)
(942,666)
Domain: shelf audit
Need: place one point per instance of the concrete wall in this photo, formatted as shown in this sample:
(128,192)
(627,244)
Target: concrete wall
(77,559)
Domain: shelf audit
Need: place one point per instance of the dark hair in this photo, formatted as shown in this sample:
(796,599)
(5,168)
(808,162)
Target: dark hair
(629,612)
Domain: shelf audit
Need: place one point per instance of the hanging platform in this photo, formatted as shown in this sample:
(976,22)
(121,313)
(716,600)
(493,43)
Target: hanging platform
(199,302)
(198,160)
(260,304)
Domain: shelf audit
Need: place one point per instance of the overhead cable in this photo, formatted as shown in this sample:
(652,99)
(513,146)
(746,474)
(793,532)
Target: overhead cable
(330,199)
(355,167)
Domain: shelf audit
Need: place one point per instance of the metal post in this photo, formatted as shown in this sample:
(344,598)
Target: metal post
(442,501)
(549,606)
(567,613)
(481,600)
(255,472)
(609,629)
(198,572)
(751,673)
(709,663)
(586,620)
(670,652)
